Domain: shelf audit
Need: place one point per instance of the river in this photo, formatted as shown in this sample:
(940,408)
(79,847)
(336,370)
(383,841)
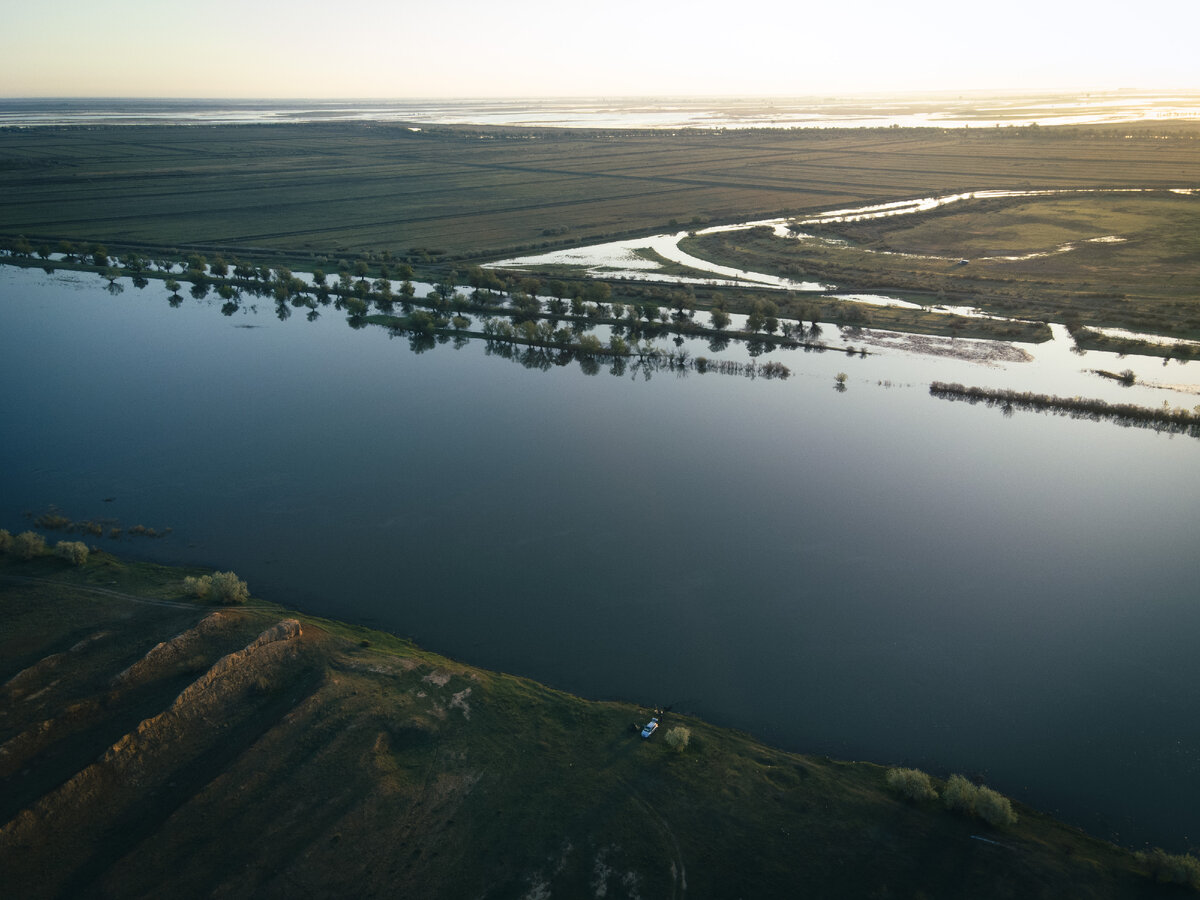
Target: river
(868,573)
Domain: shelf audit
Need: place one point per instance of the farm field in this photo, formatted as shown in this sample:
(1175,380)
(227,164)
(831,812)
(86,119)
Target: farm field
(313,190)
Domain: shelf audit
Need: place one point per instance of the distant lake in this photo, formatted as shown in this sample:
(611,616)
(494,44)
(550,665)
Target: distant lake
(869,574)
(943,110)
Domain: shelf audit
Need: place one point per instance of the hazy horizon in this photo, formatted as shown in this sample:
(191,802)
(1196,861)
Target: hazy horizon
(820,96)
(537,49)
(824,96)
(957,109)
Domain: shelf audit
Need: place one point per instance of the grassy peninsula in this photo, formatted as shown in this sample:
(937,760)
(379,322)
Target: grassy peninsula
(147,737)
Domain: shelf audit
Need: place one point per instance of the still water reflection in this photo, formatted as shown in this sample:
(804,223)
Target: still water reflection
(869,574)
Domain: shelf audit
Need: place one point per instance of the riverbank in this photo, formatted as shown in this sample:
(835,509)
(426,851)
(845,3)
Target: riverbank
(320,754)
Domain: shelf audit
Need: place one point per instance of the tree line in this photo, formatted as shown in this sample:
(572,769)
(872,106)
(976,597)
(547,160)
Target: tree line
(1174,420)
(510,306)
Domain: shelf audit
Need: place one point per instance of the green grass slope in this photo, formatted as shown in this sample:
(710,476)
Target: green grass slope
(151,744)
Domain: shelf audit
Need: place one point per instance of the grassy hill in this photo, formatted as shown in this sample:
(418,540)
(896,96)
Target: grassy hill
(152,743)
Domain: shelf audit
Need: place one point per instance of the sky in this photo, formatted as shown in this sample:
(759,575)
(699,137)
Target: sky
(547,48)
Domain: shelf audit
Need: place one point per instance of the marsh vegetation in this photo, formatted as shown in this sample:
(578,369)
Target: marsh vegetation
(1124,259)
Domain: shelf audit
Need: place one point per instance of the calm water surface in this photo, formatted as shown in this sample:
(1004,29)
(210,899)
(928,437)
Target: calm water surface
(946,110)
(871,574)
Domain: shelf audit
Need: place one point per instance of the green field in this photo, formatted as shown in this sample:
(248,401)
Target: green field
(145,733)
(353,189)
(323,195)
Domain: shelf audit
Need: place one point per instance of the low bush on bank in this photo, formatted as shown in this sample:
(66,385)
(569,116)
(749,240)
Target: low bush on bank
(912,784)
(28,544)
(677,738)
(994,808)
(1172,868)
(975,800)
(219,587)
(74,552)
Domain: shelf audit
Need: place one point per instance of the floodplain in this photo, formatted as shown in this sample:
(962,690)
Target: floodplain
(1101,259)
(464,191)
(439,198)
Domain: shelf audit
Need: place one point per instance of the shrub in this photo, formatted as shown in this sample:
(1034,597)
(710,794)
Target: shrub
(959,795)
(994,808)
(198,587)
(962,796)
(74,552)
(221,587)
(677,738)
(912,784)
(1172,868)
(6,540)
(28,544)
(227,588)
